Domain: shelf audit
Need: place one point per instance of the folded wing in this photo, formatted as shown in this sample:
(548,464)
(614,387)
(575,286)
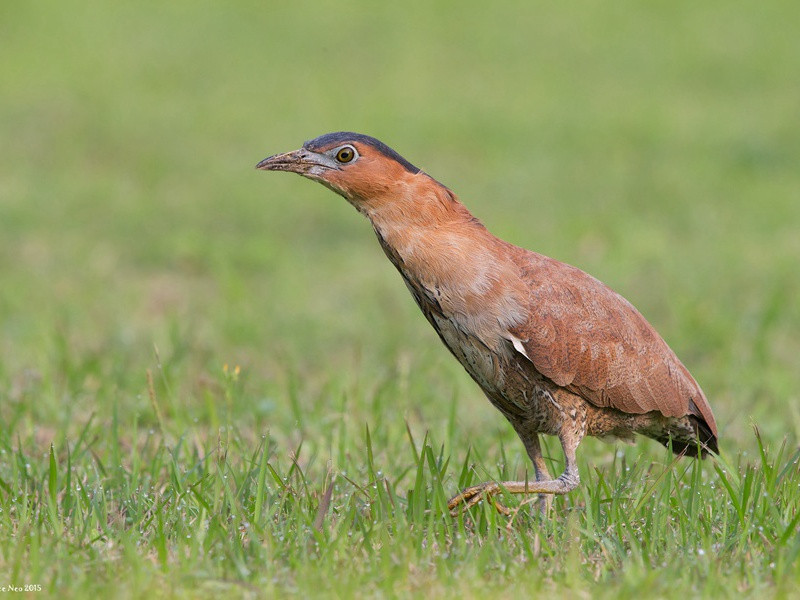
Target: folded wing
(587,338)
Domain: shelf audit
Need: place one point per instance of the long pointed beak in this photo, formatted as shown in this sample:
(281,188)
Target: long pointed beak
(295,161)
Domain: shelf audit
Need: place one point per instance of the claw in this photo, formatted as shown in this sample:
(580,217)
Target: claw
(470,496)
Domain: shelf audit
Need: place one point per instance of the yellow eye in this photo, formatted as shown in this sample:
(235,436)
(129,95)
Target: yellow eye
(345,155)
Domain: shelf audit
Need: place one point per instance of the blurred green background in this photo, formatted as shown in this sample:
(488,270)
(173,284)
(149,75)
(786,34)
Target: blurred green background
(655,145)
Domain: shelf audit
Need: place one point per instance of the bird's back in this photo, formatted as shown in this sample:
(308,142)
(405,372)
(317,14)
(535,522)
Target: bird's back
(590,340)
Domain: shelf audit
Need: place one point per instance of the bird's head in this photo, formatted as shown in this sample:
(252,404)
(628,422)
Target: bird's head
(357,166)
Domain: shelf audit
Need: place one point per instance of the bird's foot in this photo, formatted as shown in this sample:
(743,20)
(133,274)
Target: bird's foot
(470,496)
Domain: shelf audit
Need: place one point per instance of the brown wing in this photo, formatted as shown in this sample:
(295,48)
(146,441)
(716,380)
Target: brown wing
(587,338)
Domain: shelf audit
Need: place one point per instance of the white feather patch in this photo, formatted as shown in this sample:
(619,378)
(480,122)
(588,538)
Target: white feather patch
(517,344)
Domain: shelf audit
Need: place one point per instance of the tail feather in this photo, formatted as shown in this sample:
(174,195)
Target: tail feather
(703,442)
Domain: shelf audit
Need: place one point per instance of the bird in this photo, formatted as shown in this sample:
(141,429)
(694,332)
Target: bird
(555,350)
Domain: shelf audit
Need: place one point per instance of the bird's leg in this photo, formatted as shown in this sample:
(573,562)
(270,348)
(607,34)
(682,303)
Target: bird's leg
(531,440)
(534,448)
(566,482)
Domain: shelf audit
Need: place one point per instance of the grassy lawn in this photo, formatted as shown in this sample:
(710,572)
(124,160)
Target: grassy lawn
(213,383)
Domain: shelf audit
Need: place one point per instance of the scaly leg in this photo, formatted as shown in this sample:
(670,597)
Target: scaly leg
(534,448)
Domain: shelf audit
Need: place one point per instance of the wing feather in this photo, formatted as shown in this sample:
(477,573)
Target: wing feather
(587,338)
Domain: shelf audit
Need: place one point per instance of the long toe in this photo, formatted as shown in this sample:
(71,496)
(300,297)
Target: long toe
(470,496)
(467,495)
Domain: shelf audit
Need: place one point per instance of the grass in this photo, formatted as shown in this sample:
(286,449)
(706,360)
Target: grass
(213,383)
